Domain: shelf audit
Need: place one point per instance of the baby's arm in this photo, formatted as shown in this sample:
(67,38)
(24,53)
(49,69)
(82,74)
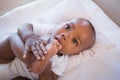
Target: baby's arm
(11,47)
(18,49)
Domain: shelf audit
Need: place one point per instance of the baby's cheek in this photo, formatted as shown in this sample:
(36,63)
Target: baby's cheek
(70,50)
(65,51)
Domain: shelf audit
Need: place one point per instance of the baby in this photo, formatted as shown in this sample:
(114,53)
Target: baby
(36,51)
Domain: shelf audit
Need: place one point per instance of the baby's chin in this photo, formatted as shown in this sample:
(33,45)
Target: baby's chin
(66,53)
(60,51)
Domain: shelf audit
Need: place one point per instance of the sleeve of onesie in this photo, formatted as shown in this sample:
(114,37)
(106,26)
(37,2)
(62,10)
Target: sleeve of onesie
(42,29)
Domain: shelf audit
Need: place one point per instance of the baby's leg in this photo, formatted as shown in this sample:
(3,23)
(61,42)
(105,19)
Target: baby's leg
(18,48)
(12,47)
(6,53)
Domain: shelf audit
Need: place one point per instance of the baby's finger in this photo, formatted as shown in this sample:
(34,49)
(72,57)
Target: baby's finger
(26,51)
(43,48)
(35,52)
(27,47)
(40,51)
(41,54)
(25,54)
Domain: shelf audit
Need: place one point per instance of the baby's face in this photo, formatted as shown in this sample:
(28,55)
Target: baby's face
(74,36)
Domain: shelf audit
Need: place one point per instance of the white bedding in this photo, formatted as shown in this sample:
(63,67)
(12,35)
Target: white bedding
(104,65)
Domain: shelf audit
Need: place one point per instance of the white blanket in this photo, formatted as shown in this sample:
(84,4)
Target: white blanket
(104,65)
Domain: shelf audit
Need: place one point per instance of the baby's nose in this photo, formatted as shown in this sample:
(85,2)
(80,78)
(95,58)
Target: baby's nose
(64,35)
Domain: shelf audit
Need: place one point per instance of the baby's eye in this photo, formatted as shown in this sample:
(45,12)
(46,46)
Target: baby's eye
(75,42)
(67,27)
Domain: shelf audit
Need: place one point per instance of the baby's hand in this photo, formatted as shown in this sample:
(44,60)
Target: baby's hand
(36,46)
(53,47)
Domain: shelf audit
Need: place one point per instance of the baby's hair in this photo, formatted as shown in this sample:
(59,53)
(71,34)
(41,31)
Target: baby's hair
(92,27)
(94,32)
